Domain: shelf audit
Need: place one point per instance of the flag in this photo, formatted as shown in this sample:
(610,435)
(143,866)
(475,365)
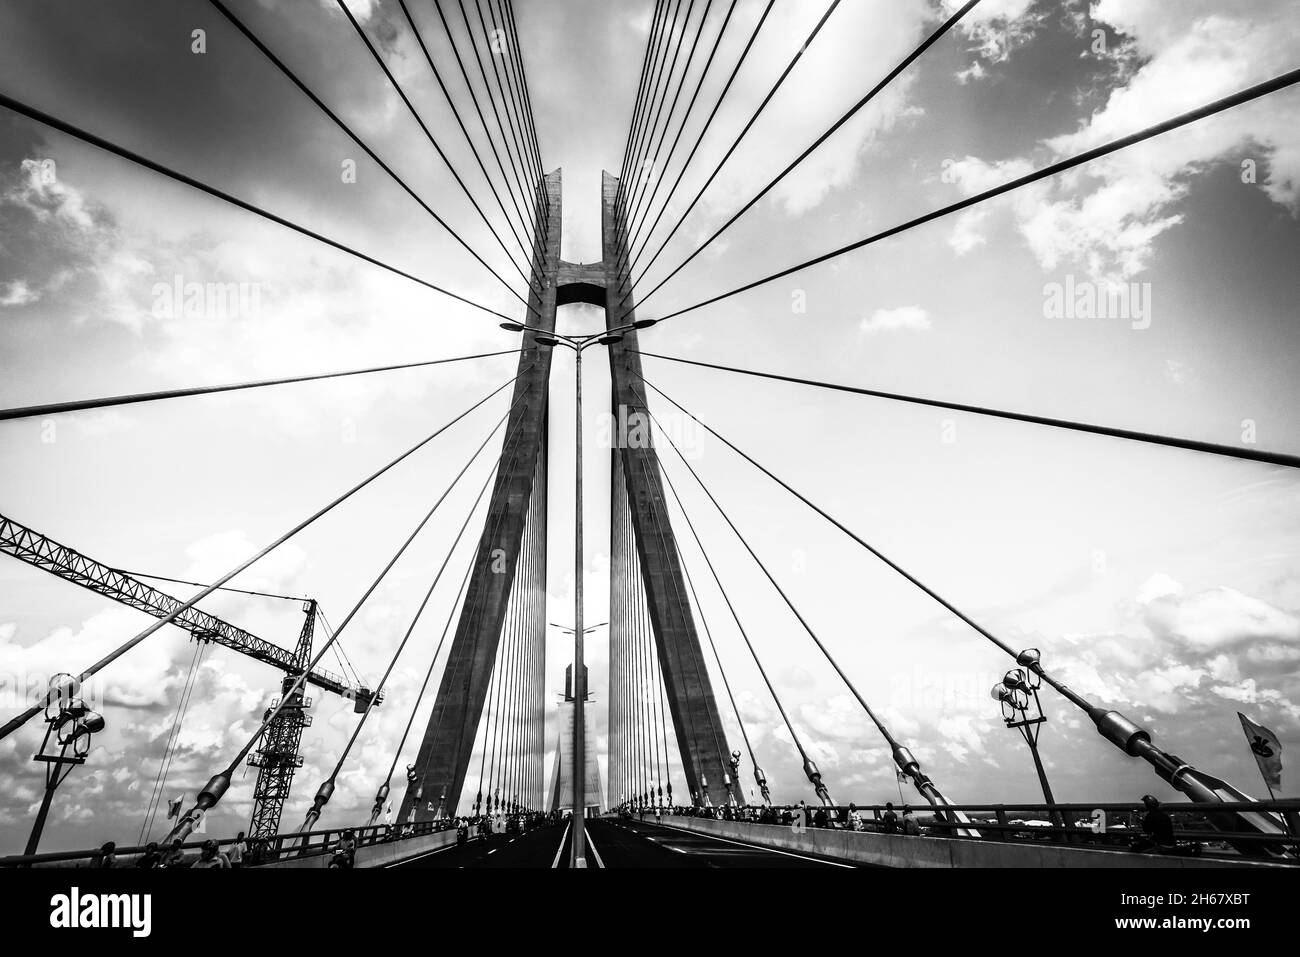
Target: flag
(1267,750)
(174,808)
(902,778)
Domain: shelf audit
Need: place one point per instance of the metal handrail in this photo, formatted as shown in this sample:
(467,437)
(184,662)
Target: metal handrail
(279,846)
(1000,828)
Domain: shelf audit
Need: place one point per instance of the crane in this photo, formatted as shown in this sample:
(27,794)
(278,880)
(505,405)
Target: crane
(277,756)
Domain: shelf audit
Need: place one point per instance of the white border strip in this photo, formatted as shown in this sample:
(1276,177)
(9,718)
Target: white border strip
(420,857)
(563,841)
(759,847)
(592,844)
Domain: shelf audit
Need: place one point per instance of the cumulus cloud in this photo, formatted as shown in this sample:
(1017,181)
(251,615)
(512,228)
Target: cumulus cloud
(996,28)
(41,193)
(1189,653)
(966,234)
(843,62)
(1108,216)
(69,243)
(894,320)
(18,293)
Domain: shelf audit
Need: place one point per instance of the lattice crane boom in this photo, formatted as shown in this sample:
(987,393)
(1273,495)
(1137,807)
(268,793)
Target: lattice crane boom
(43,552)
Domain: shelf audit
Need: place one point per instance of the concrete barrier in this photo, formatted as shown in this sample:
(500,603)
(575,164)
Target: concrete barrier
(898,850)
(376,855)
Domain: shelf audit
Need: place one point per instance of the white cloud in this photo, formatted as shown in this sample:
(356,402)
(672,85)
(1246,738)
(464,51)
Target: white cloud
(1158,586)
(1222,617)
(893,320)
(18,293)
(966,235)
(997,27)
(973,72)
(1108,216)
(961,736)
(213,556)
(45,196)
(363,10)
(850,54)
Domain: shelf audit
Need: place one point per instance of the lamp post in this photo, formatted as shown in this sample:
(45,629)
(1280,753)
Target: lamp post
(579,713)
(69,724)
(1017,693)
(578,344)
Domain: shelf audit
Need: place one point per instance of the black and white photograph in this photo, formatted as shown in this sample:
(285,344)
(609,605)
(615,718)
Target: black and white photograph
(852,445)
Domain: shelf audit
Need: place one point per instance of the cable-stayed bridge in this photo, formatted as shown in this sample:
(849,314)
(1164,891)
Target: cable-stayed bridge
(478,791)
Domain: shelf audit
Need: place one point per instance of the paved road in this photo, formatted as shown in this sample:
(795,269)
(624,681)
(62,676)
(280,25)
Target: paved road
(537,848)
(643,844)
(613,844)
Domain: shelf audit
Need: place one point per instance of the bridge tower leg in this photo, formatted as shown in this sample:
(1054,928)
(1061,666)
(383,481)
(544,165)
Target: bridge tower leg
(443,759)
(701,738)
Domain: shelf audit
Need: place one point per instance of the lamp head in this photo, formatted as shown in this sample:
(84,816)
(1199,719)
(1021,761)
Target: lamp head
(63,690)
(1015,680)
(1030,658)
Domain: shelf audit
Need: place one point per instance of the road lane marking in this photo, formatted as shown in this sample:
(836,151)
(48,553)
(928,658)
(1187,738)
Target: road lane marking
(556,863)
(759,847)
(592,844)
(438,850)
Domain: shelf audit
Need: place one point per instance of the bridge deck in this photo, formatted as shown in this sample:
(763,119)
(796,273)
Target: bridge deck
(616,844)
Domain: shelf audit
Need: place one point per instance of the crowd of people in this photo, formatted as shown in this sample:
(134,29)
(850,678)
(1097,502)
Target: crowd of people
(488,825)
(887,821)
(211,854)
(1156,827)
(1157,833)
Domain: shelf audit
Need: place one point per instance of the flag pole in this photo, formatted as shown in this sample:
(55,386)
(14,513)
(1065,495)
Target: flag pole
(1289,818)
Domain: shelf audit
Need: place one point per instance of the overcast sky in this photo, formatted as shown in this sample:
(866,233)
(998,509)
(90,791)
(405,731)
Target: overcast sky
(1160,582)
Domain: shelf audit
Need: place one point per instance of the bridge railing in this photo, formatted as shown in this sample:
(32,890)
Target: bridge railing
(1107,825)
(256,851)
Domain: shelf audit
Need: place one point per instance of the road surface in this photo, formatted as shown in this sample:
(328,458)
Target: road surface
(614,843)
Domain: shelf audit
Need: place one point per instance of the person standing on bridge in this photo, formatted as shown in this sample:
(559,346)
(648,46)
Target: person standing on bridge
(1157,828)
(151,857)
(236,854)
(175,856)
(210,857)
(889,820)
(910,825)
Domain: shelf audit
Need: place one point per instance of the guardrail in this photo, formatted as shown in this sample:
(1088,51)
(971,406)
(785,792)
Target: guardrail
(256,852)
(1112,825)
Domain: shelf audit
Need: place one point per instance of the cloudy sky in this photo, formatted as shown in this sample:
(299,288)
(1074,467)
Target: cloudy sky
(1164,583)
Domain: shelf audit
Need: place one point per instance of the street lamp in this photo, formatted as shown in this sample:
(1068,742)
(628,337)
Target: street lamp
(569,631)
(579,792)
(549,339)
(69,724)
(1022,709)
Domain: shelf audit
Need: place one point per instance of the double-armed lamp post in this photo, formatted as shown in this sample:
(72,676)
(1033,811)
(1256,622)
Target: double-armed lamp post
(578,344)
